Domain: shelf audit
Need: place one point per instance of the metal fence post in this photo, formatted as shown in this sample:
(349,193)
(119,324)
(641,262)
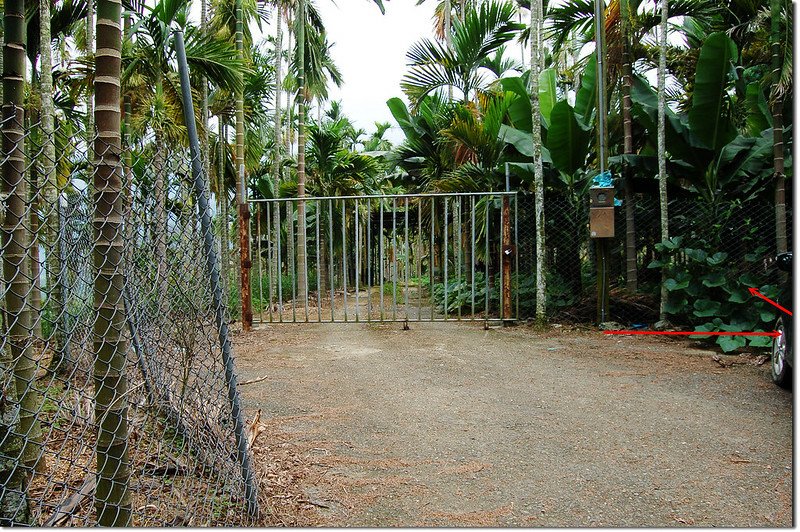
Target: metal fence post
(204,214)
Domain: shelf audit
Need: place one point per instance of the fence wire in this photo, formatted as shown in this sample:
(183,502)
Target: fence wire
(177,436)
(743,231)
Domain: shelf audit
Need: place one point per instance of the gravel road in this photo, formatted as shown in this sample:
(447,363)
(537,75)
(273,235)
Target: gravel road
(451,424)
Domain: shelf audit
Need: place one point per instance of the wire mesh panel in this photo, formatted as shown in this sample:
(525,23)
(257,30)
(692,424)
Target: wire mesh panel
(172,452)
(741,232)
(393,258)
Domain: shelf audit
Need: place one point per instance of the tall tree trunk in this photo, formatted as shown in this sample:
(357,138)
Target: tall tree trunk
(448,37)
(21,402)
(662,154)
(222,201)
(538,175)
(204,140)
(777,129)
(241,189)
(35,200)
(89,97)
(51,192)
(302,281)
(160,222)
(631,271)
(112,497)
(274,267)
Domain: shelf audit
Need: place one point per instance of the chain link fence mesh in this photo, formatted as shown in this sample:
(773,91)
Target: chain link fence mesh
(179,433)
(744,231)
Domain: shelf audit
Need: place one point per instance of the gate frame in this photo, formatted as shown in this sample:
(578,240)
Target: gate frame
(508,258)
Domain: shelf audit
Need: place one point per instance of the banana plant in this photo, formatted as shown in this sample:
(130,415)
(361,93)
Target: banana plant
(712,159)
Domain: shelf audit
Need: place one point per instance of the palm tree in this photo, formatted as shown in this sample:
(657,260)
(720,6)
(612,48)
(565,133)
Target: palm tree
(18,358)
(538,180)
(777,127)
(277,159)
(300,20)
(241,186)
(434,66)
(631,273)
(113,502)
(662,155)
(376,142)
(152,82)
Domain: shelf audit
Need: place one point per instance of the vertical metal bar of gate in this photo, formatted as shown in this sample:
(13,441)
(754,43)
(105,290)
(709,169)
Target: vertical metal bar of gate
(331,259)
(432,259)
(369,260)
(419,260)
(457,242)
(445,242)
(271,258)
(344,257)
(407,258)
(487,260)
(304,228)
(291,236)
(357,247)
(500,264)
(260,265)
(394,259)
(318,210)
(516,252)
(380,262)
(279,273)
(472,251)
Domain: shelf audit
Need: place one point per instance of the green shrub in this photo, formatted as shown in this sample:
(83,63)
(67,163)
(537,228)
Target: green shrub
(710,293)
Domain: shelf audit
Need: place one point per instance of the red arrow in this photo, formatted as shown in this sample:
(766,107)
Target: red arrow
(755,292)
(773,334)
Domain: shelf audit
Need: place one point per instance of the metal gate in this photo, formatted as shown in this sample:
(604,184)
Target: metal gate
(386,258)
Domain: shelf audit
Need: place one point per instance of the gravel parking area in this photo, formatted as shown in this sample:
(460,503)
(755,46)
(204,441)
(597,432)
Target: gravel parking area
(451,424)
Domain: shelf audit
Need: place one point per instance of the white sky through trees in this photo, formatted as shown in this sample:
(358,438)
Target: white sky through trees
(370,50)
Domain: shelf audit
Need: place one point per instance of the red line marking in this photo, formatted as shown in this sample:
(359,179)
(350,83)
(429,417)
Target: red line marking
(773,334)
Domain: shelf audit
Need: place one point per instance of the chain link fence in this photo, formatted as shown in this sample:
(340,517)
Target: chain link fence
(743,232)
(170,446)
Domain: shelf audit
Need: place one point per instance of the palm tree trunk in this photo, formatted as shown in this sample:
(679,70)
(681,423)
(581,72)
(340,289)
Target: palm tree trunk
(777,130)
(112,497)
(662,156)
(302,282)
(89,99)
(631,275)
(448,37)
(51,192)
(241,189)
(160,222)
(204,141)
(18,410)
(274,266)
(222,200)
(35,201)
(538,175)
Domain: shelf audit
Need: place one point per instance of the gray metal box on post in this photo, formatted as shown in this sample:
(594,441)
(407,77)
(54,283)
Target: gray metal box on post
(601,212)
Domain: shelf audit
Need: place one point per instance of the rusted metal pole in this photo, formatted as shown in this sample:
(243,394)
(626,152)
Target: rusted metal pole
(245,264)
(508,253)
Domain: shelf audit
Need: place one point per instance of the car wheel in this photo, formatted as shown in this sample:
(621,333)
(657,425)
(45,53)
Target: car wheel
(781,371)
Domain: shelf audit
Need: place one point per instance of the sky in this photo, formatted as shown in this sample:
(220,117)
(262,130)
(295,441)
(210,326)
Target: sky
(370,51)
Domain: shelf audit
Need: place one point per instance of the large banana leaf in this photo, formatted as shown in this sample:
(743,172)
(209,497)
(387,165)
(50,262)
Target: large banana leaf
(519,113)
(568,139)
(547,94)
(586,98)
(759,117)
(709,117)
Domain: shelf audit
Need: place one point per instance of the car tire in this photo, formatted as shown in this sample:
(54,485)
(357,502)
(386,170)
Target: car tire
(781,350)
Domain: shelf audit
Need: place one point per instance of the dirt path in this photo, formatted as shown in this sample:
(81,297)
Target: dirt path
(454,425)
